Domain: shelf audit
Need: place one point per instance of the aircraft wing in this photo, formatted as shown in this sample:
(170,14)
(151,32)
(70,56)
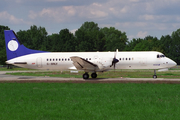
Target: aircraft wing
(82,64)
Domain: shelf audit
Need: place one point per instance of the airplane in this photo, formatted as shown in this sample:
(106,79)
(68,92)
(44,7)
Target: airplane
(89,62)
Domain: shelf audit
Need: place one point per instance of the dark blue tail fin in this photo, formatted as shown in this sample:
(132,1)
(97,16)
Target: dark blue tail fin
(13,46)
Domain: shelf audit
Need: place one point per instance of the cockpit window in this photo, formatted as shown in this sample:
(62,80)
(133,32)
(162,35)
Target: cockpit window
(160,56)
(163,55)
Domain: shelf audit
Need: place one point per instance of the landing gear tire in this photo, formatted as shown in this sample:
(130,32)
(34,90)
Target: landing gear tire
(94,75)
(154,76)
(85,76)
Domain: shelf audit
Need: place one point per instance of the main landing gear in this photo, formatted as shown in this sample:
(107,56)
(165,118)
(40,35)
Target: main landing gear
(94,75)
(154,76)
(86,75)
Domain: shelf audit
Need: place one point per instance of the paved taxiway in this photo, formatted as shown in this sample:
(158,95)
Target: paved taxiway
(13,78)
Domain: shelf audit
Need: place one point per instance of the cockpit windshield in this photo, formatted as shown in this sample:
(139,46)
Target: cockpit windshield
(160,56)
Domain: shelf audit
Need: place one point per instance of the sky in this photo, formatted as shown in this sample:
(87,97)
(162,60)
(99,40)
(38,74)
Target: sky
(137,18)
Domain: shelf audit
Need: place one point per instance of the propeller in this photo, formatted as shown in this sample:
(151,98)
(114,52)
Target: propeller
(114,61)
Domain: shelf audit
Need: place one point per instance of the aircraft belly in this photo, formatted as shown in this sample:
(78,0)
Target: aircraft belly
(139,66)
(20,65)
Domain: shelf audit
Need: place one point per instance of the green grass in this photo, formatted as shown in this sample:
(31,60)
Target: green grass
(67,101)
(109,74)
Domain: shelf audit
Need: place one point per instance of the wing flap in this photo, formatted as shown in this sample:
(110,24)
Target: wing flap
(82,64)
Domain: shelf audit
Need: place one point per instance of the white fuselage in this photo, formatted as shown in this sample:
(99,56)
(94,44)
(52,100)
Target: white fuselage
(62,61)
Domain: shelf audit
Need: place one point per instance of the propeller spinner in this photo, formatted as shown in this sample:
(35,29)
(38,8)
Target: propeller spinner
(114,61)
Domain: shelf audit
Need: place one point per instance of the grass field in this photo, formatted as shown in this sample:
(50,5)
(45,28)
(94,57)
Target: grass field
(109,74)
(67,101)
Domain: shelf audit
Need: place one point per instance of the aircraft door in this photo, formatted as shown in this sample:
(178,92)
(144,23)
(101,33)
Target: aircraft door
(39,62)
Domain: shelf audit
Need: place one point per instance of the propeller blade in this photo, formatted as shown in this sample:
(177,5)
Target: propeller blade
(115,53)
(114,61)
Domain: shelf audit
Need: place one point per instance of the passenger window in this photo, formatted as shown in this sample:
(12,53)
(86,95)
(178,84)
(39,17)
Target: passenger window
(119,58)
(123,58)
(62,59)
(56,59)
(126,59)
(65,59)
(47,59)
(89,58)
(129,58)
(158,56)
(50,59)
(59,59)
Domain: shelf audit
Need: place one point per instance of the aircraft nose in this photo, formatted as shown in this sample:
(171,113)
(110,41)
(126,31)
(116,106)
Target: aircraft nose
(172,63)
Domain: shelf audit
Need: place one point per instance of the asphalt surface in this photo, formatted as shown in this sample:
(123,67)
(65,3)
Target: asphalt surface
(29,79)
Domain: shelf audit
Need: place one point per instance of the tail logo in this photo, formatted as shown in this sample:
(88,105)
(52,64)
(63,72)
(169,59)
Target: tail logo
(12,45)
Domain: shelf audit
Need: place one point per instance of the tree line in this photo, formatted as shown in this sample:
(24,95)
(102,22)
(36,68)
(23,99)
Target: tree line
(90,37)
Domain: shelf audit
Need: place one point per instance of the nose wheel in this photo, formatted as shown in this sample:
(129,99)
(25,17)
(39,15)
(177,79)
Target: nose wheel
(154,76)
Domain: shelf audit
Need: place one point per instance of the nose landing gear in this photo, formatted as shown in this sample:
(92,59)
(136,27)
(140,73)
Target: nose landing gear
(154,76)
